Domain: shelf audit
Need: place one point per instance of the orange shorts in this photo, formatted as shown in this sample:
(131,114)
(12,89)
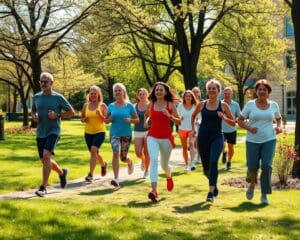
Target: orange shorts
(185,133)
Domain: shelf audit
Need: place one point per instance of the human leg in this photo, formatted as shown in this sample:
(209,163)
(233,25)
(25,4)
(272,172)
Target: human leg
(253,156)
(267,155)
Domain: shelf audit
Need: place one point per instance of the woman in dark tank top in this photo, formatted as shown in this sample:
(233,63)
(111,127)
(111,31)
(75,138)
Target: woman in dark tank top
(210,136)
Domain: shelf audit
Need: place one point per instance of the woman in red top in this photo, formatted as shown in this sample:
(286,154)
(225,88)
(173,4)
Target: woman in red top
(161,111)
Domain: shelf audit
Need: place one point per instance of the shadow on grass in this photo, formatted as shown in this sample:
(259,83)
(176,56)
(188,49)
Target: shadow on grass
(149,203)
(202,206)
(100,192)
(247,206)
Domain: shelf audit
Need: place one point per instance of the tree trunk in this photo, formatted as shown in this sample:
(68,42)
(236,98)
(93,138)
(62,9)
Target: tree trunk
(241,96)
(189,74)
(296,21)
(25,113)
(36,71)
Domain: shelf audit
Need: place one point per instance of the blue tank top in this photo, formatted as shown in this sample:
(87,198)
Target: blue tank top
(139,127)
(211,124)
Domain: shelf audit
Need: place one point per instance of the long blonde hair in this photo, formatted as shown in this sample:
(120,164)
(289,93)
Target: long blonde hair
(121,85)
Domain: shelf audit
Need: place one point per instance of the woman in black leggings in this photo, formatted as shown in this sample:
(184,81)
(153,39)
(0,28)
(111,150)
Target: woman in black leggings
(210,136)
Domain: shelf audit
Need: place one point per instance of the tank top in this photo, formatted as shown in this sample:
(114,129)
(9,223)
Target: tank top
(211,124)
(160,125)
(139,127)
(94,124)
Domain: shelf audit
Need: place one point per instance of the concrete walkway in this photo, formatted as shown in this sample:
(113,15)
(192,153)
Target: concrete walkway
(81,186)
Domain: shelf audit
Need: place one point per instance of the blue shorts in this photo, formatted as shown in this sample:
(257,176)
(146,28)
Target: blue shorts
(230,137)
(48,143)
(95,140)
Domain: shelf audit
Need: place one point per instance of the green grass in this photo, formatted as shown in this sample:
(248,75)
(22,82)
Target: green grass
(126,213)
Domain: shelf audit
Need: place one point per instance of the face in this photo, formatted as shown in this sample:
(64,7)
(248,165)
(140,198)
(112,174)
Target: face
(262,91)
(227,95)
(93,95)
(212,89)
(160,91)
(142,95)
(196,92)
(118,92)
(187,97)
(45,83)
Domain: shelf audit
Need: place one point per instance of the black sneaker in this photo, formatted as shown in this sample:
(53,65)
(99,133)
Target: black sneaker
(89,178)
(224,157)
(63,178)
(41,192)
(210,197)
(216,191)
(228,165)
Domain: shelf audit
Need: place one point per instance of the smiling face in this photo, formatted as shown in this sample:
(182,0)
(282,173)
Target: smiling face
(227,94)
(93,95)
(160,92)
(118,92)
(262,91)
(212,89)
(142,95)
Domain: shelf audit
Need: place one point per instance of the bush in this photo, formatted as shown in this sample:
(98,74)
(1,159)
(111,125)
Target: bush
(284,159)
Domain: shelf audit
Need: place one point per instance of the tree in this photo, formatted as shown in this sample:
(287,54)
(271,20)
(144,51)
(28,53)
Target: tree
(40,26)
(249,46)
(184,25)
(17,75)
(295,13)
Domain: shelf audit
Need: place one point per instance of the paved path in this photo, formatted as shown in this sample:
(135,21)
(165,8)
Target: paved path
(81,186)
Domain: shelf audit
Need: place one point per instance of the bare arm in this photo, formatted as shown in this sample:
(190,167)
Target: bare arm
(195,113)
(243,124)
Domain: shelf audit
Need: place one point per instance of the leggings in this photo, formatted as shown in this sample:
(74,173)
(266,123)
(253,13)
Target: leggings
(155,146)
(210,148)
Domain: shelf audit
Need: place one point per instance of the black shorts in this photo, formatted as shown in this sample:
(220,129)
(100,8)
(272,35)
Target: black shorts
(230,137)
(49,143)
(94,139)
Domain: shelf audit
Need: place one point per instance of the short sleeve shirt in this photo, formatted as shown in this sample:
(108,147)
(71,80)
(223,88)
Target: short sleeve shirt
(42,104)
(118,127)
(236,111)
(262,120)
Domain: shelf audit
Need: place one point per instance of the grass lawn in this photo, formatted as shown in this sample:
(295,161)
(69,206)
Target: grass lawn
(127,213)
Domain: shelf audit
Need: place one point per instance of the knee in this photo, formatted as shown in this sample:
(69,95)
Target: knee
(251,176)
(139,154)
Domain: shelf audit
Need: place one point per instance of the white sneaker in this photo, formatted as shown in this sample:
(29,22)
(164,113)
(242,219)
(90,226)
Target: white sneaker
(187,168)
(264,200)
(193,167)
(146,175)
(115,182)
(130,167)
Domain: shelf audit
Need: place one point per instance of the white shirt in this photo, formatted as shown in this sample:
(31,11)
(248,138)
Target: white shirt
(186,116)
(262,120)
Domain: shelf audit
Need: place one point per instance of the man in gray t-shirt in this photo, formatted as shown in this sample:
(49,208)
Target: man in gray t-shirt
(229,131)
(48,108)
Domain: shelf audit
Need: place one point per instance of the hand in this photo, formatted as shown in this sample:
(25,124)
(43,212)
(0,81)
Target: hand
(166,113)
(52,115)
(84,119)
(108,119)
(36,118)
(253,130)
(278,130)
(127,120)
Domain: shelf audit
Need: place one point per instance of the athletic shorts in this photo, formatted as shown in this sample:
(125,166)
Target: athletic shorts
(140,134)
(230,137)
(95,140)
(49,143)
(185,133)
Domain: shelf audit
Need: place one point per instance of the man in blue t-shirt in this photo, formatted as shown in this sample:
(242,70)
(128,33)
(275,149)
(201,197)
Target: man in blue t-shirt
(229,131)
(48,108)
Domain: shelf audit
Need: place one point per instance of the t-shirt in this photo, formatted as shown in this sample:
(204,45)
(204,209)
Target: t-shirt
(236,111)
(262,120)
(119,128)
(42,104)
(139,127)
(186,115)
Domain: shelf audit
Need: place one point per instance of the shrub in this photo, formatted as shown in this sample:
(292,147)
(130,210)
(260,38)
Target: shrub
(284,158)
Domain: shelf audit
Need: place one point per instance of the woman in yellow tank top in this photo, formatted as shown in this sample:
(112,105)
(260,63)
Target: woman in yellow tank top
(92,114)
